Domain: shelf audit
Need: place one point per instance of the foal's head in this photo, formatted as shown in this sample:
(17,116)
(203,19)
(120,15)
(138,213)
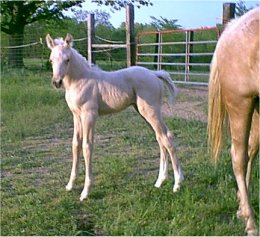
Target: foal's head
(60,57)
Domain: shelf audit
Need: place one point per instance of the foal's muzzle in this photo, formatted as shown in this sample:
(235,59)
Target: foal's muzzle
(57,83)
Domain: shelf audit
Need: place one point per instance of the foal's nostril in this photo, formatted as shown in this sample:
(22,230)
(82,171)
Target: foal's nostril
(57,83)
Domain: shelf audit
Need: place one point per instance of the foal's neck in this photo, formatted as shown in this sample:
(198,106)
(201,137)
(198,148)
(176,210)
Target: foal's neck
(78,68)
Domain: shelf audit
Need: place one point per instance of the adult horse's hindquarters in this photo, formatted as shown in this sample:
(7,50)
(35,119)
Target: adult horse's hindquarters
(234,92)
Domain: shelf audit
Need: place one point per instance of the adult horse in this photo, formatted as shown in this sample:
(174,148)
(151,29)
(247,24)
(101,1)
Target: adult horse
(234,93)
(90,91)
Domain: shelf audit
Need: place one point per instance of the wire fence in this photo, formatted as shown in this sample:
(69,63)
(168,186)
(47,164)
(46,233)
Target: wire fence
(27,52)
(185,54)
(32,53)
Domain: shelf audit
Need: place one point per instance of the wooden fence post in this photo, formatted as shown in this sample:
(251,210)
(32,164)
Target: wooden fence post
(188,52)
(156,50)
(228,12)
(91,36)
(130,37)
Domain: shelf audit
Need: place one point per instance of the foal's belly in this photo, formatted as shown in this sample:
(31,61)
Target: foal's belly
(115,101)
(108,107)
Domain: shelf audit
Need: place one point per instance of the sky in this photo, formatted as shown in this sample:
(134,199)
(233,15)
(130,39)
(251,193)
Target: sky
(189,13)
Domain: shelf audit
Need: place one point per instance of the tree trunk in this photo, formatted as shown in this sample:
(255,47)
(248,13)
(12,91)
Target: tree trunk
(15,54)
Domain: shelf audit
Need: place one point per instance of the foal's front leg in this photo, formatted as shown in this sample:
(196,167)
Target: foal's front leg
(76,150)
(88,123)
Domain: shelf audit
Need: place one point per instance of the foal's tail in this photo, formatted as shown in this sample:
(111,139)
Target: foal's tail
(216,112)
(166,78)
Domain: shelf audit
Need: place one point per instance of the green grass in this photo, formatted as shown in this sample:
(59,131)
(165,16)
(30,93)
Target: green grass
(36,133)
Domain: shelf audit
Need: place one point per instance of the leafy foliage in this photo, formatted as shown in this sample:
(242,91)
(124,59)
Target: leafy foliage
(17,14)
(118,4)
(241,8)
(163,23)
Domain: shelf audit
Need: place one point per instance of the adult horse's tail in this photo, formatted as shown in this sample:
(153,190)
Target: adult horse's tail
(216,112)
(166,78)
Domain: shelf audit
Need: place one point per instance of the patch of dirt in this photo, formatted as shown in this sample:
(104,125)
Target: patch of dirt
(191,103)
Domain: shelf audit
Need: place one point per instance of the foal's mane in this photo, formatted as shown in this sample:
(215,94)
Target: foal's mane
(82,60)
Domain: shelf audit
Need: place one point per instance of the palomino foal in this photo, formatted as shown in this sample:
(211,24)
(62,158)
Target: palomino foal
(90,92)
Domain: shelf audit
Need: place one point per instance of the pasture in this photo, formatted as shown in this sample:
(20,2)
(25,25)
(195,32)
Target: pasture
(36,133)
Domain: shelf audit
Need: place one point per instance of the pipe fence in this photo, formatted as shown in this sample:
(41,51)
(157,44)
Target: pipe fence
(185,54)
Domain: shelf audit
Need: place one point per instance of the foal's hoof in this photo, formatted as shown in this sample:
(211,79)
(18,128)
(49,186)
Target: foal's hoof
(178,180)
(176,188)
(159,182)
(83,196)
(68,188)
(82,199)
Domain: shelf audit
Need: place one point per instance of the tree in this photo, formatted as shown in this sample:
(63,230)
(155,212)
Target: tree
(165,24)
(101,17)
(15,15)
(118,4)
(241,8)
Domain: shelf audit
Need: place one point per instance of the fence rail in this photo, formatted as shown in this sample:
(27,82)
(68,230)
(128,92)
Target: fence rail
(184,53)
(128,45)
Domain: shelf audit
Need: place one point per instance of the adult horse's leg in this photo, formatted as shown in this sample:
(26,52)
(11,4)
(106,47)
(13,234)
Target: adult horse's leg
(76,150)
(252,151)
(165,139)
(253,144)
(88,123)
(240,116)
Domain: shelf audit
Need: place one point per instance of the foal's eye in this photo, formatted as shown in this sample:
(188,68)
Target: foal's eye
(67,61)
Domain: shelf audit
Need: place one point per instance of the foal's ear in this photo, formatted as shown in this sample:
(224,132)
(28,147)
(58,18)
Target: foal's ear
(49,41)
(69,40)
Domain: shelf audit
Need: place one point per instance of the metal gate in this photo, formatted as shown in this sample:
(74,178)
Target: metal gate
(185,54)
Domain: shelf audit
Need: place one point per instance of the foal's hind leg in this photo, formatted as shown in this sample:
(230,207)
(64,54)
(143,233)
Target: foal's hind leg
(165,140)
(169,144)
(163,170)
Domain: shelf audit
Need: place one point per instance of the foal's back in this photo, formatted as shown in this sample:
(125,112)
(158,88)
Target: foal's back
(122,88)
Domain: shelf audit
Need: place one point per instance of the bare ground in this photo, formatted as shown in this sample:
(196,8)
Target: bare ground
(191,103)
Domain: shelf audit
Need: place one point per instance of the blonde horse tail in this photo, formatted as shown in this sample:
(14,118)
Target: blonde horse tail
(166,78)
(216,112)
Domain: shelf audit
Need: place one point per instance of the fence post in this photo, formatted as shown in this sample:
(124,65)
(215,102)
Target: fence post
(228,12)
(188,52)
(130,38)
(159,53)
(156,50)
(91,36)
